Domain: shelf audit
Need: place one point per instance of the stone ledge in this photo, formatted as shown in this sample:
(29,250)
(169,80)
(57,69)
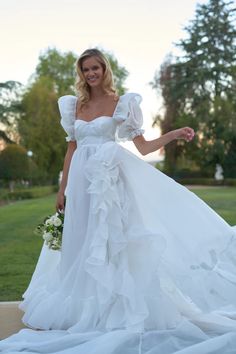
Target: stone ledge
(10,318)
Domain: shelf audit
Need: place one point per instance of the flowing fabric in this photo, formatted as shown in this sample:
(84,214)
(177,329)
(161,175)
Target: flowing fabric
(146,267)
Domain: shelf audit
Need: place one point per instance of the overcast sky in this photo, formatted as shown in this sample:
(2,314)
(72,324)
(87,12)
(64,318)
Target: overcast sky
(140,33)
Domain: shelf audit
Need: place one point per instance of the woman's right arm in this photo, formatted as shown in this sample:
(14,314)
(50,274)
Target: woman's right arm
(60,202)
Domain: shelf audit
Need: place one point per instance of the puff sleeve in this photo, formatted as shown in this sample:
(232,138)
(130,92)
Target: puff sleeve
(131,118)
(67,108)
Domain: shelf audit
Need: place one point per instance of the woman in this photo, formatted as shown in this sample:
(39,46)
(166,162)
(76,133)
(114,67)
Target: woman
(145,266)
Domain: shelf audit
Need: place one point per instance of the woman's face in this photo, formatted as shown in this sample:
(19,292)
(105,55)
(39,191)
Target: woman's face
(92,71)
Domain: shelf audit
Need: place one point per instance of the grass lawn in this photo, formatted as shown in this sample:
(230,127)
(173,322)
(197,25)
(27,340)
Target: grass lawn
(19,247)
(221,199)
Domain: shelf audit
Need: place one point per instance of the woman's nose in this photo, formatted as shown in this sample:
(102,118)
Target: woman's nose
(90,72)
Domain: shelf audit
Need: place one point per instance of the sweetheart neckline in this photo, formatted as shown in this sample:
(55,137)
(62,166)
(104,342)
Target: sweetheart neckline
(89,121)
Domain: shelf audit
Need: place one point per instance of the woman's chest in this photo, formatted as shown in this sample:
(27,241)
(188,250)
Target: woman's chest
(93,110)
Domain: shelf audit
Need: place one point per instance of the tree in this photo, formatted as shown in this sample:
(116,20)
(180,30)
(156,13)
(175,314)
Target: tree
(14,164)
(201,85)
(167,81)
(40,128)
(10,108)
(59,69)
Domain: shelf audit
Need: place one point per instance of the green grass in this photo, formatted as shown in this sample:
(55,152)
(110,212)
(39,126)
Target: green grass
(221,199)
(20,247)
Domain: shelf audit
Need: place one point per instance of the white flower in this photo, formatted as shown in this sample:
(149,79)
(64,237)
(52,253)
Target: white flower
(47,236)
(56,221)
(49,221)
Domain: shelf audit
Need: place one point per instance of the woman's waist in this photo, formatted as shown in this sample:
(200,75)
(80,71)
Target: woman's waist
(94,140)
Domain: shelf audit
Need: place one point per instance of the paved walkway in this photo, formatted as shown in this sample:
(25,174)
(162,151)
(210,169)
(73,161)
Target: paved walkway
(10,318)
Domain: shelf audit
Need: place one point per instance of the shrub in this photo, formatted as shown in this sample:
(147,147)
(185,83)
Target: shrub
(27,193)
(207,181)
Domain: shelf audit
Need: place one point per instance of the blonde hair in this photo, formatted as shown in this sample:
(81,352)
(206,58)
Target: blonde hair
(82,88)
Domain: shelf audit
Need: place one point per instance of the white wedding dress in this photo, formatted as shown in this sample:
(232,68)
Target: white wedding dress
(146,267)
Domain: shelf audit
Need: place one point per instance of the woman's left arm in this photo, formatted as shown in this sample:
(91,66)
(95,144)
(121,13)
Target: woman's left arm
(147,146)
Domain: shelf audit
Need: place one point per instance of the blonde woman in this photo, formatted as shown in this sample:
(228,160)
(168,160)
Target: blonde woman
(145,266)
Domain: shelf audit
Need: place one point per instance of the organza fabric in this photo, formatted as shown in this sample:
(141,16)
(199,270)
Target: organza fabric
(146,266)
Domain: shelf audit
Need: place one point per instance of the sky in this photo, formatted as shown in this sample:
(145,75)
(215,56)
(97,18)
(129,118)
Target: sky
(140,33)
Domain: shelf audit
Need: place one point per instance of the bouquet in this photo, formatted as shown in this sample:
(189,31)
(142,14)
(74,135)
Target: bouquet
(51,230)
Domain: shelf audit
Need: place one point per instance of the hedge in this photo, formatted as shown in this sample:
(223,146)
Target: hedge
(27,193)
(207,181)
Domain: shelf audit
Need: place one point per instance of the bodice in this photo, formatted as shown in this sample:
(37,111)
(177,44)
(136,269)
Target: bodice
(97,131)
(125,124)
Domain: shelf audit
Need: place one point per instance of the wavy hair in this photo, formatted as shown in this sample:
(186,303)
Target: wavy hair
(81,86)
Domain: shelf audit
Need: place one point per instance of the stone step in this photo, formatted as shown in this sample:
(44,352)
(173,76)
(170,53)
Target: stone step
(10,318)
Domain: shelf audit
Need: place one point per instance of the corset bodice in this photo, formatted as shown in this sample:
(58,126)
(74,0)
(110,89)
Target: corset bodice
(99,130)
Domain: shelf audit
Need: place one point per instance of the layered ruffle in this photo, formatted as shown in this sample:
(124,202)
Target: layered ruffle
(122,248)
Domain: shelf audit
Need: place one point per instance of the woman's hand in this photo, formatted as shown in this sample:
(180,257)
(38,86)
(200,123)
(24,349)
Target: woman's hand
(60,202)
(185,133)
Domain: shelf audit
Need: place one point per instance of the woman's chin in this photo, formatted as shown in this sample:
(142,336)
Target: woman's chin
(94,85)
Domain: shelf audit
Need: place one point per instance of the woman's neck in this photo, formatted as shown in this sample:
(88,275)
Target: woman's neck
(97,92)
